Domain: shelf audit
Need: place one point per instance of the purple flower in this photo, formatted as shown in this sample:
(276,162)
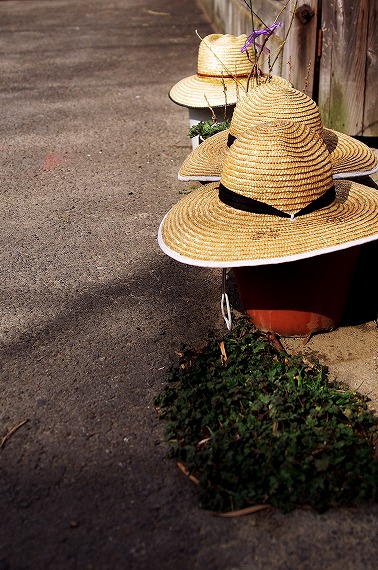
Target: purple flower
(265,32)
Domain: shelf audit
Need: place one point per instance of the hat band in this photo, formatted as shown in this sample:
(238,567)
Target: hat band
(223,75)
(230,140)
(240,202)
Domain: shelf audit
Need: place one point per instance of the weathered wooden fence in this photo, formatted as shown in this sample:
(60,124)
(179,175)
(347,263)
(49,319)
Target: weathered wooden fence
(331,52)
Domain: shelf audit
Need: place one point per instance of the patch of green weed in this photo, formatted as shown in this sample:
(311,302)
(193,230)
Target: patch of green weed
(208,128)
(258,426)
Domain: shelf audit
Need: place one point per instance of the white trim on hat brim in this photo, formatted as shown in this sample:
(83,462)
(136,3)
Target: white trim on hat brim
(202,230)
(199,178)
(353,174)
(191,90)
(199,93)
(256,262)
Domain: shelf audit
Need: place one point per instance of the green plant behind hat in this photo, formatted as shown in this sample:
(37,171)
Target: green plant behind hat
(206,129)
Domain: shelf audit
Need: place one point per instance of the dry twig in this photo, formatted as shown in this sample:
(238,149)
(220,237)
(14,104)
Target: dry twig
(242,512)
(189,476)
(11,432)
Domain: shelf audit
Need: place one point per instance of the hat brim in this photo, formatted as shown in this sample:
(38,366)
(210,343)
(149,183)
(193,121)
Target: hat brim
(199,92)
(350,157)
(201,230)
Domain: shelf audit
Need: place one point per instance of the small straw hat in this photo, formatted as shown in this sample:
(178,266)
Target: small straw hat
(222,74)
(269,101)
(276,202)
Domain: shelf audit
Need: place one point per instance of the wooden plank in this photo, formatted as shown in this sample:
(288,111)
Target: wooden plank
(233,17)
(267,12)
(300,50)
(370,117)
(343,64)
(325,74)
(344,83)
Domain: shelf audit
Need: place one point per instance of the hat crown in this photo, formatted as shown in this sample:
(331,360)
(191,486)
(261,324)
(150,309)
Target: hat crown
(219,55)
(281,163)
(271,101)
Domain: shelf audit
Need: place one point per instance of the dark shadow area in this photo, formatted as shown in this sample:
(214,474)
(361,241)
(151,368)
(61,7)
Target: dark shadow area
(163,287)
(372,142)
(313,284)
(66,511)
(366,181)
(267,284)
(362,303)
(233,292)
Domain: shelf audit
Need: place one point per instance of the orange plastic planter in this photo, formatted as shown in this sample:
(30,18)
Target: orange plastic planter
(298,298)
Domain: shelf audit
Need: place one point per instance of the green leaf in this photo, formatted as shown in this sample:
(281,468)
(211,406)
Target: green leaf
(280,432)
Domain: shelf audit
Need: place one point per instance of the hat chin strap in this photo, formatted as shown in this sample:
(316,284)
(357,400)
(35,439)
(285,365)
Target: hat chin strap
(230,140)
(240,202)
(225,303)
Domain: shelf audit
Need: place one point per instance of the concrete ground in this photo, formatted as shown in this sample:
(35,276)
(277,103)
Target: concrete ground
(92,312)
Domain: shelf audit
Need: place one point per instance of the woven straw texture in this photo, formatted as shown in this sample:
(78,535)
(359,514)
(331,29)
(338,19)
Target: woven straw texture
(349,155)
(222,74)
(267,102)
(220,55)
(282,164)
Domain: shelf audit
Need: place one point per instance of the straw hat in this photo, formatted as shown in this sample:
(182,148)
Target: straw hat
(279,168)
(349,156)
(222,74)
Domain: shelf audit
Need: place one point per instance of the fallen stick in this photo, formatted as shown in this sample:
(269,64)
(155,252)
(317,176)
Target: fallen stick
(11,432)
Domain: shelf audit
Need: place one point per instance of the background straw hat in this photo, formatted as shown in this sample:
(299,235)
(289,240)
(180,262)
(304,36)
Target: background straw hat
(269,101)
(283,164)
(222,74)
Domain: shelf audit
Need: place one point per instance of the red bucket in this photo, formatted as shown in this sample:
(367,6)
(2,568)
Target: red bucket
(298,298)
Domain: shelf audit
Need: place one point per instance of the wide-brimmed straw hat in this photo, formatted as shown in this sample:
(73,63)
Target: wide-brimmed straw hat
(349,156)
(223,72)
(276,202)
